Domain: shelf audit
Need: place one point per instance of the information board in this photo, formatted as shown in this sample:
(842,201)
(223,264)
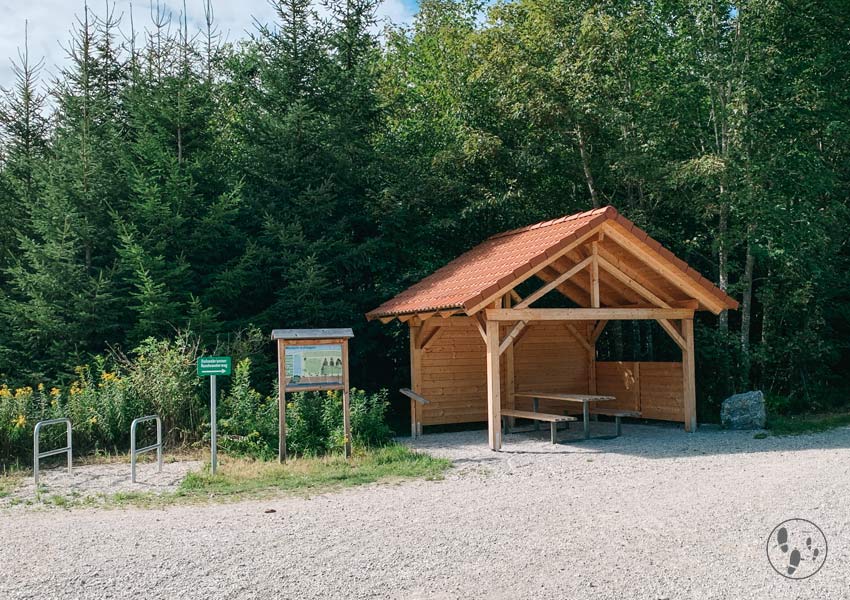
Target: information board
(312,367)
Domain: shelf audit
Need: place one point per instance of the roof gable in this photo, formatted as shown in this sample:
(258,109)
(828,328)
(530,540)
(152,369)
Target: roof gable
(474,279)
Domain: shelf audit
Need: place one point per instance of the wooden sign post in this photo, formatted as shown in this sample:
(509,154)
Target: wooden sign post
(310,360)
(213,366)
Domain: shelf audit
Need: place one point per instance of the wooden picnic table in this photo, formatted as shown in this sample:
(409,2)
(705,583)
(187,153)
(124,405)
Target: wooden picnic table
(584,399)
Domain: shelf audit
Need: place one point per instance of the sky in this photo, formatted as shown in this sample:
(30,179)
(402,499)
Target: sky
(49,23)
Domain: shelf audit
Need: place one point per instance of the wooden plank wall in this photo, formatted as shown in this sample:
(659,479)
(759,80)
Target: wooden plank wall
(454,376)
(656,389)
(549,358)
(454,370)
(662,391)
(619,379)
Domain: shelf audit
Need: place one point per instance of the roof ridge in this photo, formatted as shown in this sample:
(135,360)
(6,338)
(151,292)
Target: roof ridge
(609,209)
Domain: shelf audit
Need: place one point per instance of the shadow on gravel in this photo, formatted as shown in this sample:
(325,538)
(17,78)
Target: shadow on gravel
(653,441)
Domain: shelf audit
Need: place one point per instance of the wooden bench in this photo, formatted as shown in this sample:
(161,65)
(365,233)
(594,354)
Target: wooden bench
(553,420)
(617,414)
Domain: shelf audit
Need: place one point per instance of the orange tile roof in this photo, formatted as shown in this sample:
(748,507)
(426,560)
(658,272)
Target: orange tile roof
(503,258)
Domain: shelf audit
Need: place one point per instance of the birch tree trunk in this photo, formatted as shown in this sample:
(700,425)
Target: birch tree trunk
(585,163)
(723,258)
(747,301)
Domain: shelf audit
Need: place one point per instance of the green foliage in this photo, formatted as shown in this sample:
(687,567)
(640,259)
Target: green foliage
(158,377)
(311,172)
(249,425)
(806,423)
(315,422)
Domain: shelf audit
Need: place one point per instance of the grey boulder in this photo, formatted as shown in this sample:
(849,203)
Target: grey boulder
(743,411)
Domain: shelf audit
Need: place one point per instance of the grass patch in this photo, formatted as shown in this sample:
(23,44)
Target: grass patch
(240,478)
(810,423)
(245,477)
(8,483)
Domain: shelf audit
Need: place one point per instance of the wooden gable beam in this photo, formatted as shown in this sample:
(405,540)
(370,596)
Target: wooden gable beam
(631,283)
(587,314)
(633,245)
(546,262)
(632,272)
(529,300)
(609,294)
(568,288)
(594,275)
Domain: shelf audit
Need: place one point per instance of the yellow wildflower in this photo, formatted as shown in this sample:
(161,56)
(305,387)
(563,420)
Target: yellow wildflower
(108,376)
(40,387)
(55,392)
(4,391)
(290,405)
(75,388)
(23,391)
(93,420)
(20,421)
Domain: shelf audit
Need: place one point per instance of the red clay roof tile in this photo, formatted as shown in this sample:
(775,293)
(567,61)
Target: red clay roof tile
(489,267)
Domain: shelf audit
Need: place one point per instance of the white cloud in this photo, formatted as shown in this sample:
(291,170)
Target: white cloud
(50,22)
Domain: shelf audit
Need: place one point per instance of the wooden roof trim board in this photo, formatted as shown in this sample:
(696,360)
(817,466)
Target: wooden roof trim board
(687,279)
(482,275)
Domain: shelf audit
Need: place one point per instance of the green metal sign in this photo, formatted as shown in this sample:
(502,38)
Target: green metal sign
(214,365)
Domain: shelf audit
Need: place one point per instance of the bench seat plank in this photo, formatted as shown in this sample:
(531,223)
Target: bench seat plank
(553,420)
(613,412)
(536,416)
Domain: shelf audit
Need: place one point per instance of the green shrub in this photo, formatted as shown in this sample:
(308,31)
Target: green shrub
(248,426)
(368,418)
(315,422)
(163,379)
(159,377)
(307,424)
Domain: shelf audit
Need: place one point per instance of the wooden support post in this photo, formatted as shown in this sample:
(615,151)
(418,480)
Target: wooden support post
(510,376)
(591,360)
(494,407)
(346,401)
(415,380)
(689,375)
(281,401)
(594,275)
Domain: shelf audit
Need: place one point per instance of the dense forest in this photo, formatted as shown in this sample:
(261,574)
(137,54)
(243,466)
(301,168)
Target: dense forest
(167,179)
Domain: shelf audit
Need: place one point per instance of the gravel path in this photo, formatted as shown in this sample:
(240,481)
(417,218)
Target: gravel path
(654,514)
(97,480)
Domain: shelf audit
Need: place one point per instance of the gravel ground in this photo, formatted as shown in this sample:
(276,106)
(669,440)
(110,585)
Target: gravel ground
(98,480)
(654,514)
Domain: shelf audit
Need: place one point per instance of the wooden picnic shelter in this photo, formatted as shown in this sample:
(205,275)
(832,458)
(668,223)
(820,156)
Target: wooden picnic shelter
(480,350)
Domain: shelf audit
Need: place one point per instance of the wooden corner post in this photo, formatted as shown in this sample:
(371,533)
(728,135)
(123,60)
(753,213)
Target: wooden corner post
(494,406)
(591,360)
(281,400)
(415,380)
(689,375)
(510,367)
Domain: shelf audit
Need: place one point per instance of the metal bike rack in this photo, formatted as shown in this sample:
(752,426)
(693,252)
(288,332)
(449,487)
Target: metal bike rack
(37,456)
(157,446)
